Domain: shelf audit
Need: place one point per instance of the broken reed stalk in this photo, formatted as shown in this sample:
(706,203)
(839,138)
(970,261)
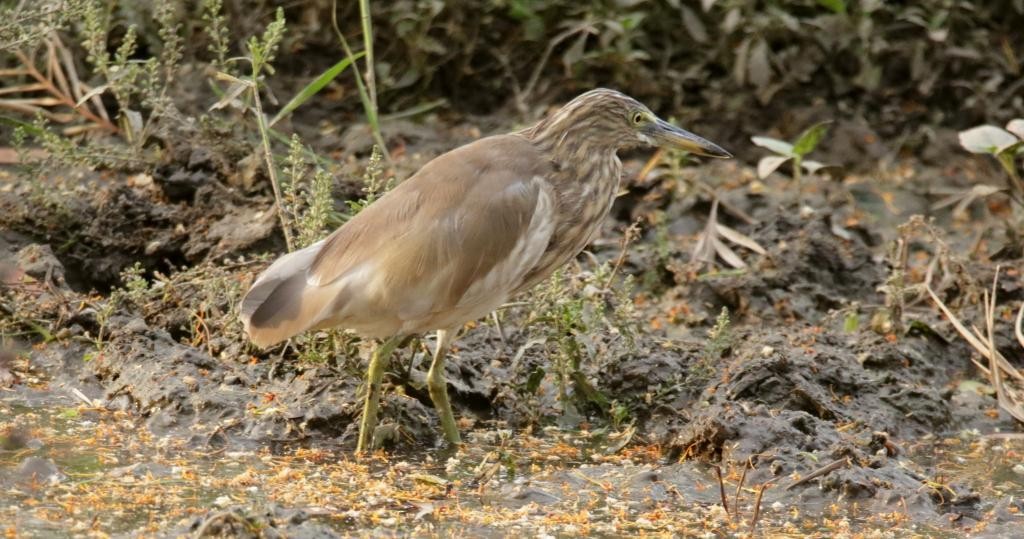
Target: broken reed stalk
(739,488)
(998,367)
(990,322)
(757,507)
(897,282)
(721,488)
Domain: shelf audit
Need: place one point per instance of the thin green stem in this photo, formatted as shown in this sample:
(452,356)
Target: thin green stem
(368,96)
(798,172)
(371,78)
(261,124)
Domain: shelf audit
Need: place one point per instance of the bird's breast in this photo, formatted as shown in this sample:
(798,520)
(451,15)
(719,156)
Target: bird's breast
(584,198)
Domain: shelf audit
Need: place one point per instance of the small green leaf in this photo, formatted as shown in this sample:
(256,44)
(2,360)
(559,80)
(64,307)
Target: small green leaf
(974,386)
(315,86)
(15,123)
(851,322)
(1010,150)
(810,138)
(987,139)
(780,147)
(837,6)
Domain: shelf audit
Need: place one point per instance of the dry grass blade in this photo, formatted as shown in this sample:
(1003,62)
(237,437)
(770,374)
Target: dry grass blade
(56,86)
(728,255)
(1017,327)
(998,368)
(23,88)
(964,198)
(231,94)
(710,245)
(820,472)
(704,250)
(742,240)
(650,165)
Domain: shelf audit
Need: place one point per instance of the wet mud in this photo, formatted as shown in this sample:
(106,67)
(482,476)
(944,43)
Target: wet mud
(811,397)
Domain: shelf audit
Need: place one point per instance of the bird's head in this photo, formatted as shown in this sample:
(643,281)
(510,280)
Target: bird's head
(611,119)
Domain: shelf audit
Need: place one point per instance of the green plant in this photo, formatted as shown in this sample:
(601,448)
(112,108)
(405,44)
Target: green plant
(32,22)
(48,85)
(262,51)
(216,29)
(568,310)
(135,286)
(367,88)
(795,152)
(1003,144)
(374,186)
(720,338)
(306,198)
(139,86)
(133,292)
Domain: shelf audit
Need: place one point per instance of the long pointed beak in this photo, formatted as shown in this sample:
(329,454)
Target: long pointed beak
(668,135)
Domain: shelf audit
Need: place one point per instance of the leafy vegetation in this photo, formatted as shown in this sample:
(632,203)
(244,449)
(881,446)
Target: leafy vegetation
(795,152)
(1006,145)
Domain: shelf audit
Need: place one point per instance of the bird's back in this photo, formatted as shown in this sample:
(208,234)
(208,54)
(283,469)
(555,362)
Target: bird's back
(446,246)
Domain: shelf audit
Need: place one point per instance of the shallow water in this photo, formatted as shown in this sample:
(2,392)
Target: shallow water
(72,470)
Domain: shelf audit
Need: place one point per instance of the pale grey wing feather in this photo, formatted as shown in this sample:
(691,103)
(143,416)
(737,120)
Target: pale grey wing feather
(276,307)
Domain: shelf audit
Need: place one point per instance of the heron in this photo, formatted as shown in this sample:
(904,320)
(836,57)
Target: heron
(453,242)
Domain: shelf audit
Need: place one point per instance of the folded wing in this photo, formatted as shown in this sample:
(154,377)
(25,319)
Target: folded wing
(446,244)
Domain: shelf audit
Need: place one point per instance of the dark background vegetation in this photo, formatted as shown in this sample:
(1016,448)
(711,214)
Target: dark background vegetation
(740,67)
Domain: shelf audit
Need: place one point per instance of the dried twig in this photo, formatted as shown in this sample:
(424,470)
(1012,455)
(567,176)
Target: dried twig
(757,507)
(739,488)
(59,86)
(1017,327)
(998,370)
(820,472)
(721,488)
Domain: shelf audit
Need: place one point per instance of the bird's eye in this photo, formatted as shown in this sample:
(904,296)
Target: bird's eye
(638,118)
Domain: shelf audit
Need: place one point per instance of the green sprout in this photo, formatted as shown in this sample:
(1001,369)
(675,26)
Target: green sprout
(1003,144)
(795,152)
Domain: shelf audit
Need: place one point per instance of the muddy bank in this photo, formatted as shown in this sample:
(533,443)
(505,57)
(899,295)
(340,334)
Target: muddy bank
(807,386)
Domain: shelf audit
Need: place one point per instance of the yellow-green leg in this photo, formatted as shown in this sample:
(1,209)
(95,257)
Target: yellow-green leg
(374,374)
(439,387)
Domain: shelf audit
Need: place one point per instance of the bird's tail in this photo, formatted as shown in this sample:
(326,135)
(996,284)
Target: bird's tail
(281,303)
